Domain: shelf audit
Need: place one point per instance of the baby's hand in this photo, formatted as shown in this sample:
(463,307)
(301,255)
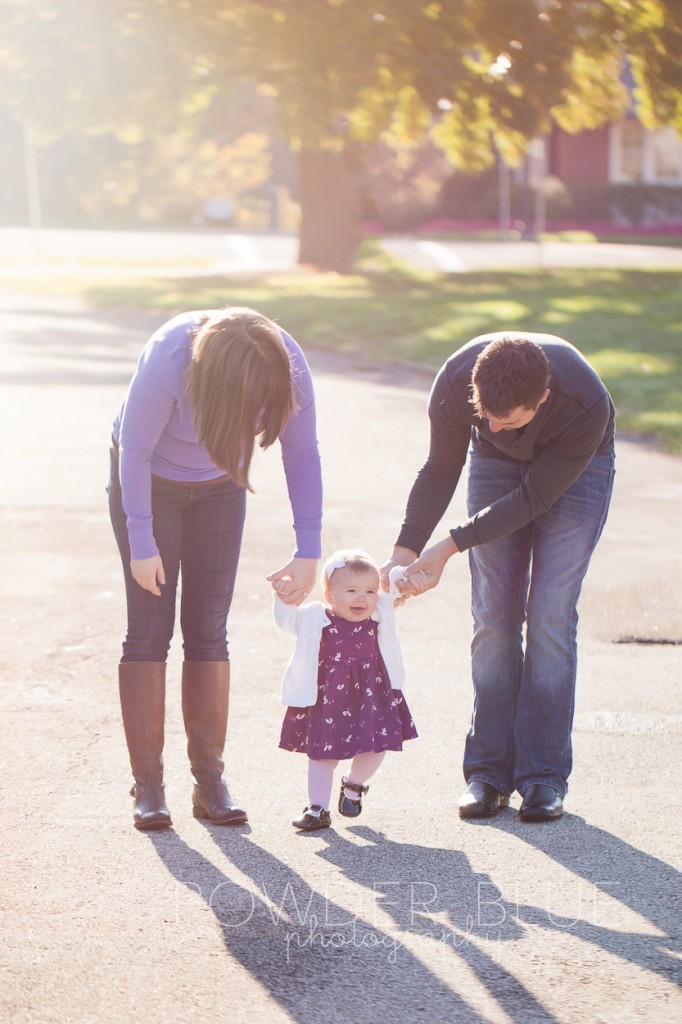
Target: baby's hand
(399,559)
(398,585)
(294,581)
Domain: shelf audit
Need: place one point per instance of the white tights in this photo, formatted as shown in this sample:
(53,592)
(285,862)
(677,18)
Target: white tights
(321,776)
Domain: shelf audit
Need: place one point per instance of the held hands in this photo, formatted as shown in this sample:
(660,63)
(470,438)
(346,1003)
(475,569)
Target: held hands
(149,573)
(294,581)
(425,573)
(421,573)
(400,556)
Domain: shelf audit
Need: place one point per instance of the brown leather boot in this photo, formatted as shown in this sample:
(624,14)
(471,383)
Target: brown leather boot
(205,701)
(142,688)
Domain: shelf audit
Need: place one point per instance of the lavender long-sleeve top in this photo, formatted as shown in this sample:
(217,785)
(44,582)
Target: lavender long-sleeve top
(154,429)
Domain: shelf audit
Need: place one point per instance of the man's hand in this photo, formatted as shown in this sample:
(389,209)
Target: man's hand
(425,573)
(294,581)
(149,573)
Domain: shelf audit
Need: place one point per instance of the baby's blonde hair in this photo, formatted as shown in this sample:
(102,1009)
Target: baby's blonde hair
(353,559)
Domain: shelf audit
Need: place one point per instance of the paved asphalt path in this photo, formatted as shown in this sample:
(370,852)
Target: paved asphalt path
(226,252)
(407,915)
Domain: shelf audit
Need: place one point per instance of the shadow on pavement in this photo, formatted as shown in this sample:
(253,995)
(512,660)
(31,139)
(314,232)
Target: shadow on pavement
(434,889)
(312,955)
(618,872)
(56,347)
(430,904)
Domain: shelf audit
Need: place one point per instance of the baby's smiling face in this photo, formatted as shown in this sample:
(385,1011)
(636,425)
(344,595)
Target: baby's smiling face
(353,595)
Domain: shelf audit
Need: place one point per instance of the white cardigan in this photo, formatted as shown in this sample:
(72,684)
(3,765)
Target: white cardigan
(299,684)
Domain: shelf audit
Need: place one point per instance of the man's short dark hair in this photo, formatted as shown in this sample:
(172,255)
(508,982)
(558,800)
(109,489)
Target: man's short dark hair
(510,373)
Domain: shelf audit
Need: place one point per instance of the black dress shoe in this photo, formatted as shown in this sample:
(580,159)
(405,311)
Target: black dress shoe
(481,800)
(541,803)
(311,822)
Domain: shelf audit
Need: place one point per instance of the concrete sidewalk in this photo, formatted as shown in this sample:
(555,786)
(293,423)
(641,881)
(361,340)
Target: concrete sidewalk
(410,914)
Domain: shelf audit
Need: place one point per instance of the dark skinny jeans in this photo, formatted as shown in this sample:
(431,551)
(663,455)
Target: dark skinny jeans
(198,530)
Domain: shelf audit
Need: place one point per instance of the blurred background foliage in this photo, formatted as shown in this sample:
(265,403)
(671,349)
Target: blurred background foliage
(310,114)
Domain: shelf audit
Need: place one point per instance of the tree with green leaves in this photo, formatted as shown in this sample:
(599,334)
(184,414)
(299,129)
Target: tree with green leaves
(481,78)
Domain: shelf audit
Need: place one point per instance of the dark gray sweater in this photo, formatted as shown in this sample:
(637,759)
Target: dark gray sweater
(575,423)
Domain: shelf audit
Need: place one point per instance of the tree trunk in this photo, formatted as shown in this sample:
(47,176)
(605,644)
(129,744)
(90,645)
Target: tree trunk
(330,210)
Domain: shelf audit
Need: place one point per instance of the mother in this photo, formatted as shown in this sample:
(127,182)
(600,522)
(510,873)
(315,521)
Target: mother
(207,386)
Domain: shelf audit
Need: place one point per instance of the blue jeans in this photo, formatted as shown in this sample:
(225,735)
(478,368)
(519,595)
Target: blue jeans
(198,530)
(524,686)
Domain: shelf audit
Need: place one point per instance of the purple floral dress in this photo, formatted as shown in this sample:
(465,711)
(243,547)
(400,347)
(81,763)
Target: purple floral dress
(356,711)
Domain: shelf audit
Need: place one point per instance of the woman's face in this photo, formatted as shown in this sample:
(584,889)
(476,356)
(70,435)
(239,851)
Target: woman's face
(353,595)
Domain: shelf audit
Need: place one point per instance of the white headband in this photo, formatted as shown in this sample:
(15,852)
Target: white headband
(338,563)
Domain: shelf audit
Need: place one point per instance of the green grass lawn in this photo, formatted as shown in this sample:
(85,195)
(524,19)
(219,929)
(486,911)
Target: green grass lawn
(628,323)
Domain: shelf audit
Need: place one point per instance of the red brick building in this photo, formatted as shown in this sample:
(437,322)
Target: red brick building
(620,153)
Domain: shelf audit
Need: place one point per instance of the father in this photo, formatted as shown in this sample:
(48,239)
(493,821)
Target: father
(537,424)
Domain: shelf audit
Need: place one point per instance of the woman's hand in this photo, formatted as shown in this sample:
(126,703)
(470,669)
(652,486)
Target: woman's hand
(425,573)
(149,573)
(294,581)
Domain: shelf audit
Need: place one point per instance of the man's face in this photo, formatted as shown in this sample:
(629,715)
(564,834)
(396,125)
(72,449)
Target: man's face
(517,418)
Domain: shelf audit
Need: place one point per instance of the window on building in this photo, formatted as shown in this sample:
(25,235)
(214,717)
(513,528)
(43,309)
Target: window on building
(631,150)
(666,147)
(639,155)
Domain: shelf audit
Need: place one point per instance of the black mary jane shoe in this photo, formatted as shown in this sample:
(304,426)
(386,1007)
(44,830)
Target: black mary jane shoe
(481,800)
(348,807)
(312,822)
(541,803)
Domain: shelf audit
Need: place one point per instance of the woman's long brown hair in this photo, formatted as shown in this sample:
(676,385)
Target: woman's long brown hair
(240,383)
